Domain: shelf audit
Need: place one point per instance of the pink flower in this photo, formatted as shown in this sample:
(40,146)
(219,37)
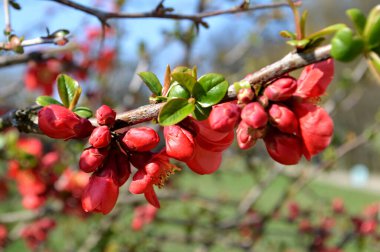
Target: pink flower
(59,122)
(143,215)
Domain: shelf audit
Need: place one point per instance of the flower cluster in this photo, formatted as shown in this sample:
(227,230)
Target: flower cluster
(110,157)
(285,116)
(200,143)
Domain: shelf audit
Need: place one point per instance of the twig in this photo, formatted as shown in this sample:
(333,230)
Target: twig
(163,12)
(32,42)
(146,113)
(7,19)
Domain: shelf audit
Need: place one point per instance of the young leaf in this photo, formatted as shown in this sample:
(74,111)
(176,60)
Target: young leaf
(185,80)
(151,80)
(345,47)
(303,22)
(83,112)
(46,100)
(288,34)
(210,89)
(178,91)
(200,113)
(300,44)
(67,87)
(372,28)
(174,111)
(326,31)
(358,18)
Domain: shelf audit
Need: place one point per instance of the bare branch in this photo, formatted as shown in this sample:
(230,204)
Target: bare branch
(7,18)
(164,13)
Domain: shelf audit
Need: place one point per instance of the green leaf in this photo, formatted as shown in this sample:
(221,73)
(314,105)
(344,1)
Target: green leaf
(358,18)
(372,28)
(288,34)
(174,111)
(178,91)
(47,100)
(83,112)
(185,80)
(303,22)
(326,31)
(151,80)
(200,113)
(345,47)
(67,89)
(210,89)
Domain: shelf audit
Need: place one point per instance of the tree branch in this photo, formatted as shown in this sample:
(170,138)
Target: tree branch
(146,113)
(162,12)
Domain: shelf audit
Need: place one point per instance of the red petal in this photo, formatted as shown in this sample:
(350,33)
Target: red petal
(151,197)
(316,128)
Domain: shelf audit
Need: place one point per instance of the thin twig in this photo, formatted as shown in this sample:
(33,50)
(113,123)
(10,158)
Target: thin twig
(7,18)
(163,13)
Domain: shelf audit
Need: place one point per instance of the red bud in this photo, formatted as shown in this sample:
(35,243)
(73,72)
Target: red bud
(100,137)
(91,159)
(254,115)
(284,119)
(179,142)
(224,116)
(281,89)
(141,139)
(105,115)
(283,148)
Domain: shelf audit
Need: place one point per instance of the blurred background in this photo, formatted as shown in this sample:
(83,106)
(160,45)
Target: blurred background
(251,203)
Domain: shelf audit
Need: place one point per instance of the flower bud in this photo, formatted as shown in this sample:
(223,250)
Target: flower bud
(281,89)
(245,136)
(105,115)
(284,119)
(58,122)
(91,159)
(224,116)
(141,139)
(179,142)
(100,137)
(283,148)
(100,194)
(245,95)
(254,115)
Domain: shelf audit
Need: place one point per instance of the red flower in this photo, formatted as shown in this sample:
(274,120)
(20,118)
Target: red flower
(155,172)
(100,194)
(42,75)
(143,215)
(283,148)
(315,79)
(179,143)
(205,161)
(59,122)
(316,128)
(91,159)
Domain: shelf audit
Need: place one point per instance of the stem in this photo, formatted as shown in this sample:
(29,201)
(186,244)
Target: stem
(7,18)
